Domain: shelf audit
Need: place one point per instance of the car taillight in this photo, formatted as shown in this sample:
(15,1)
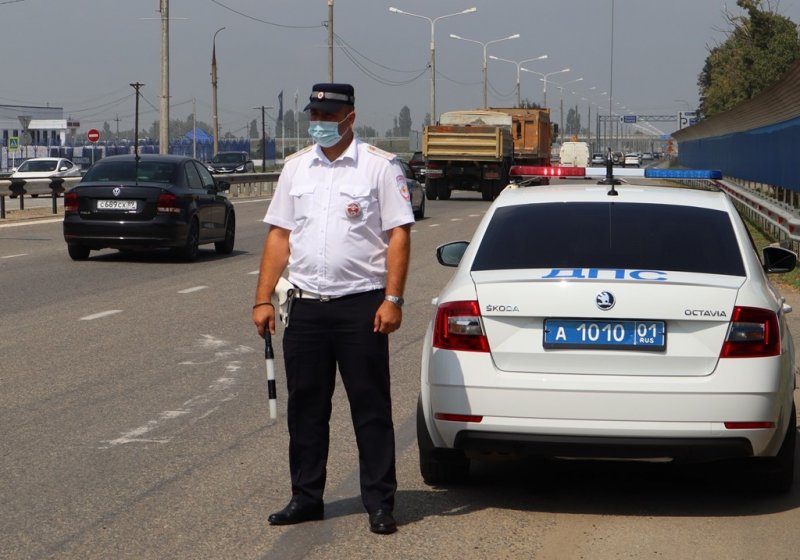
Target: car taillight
(167,204)
(753,333)
(432,165)
(458,327)
(70,202)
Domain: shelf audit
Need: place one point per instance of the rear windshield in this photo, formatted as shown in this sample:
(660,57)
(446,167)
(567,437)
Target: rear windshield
(145,171)
(610,235)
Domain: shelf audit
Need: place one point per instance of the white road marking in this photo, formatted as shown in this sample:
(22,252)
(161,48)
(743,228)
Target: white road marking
(254,272)
(14,256)
(30,222)
(475,215)
(190,290)
(101,315)
(434,225)
(200,406)
(456,219)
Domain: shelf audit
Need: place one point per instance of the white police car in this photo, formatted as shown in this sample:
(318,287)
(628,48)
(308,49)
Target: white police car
(589,320)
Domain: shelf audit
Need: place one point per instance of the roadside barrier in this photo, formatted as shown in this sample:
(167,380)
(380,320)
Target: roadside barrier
(243,185)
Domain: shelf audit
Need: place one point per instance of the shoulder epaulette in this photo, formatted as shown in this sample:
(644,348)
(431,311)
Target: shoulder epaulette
(382,153)
(298,153)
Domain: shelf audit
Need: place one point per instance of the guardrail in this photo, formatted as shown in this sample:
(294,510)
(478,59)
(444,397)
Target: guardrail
(242,185)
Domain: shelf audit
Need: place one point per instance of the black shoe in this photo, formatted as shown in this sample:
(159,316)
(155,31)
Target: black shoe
(382,521)
(296,512)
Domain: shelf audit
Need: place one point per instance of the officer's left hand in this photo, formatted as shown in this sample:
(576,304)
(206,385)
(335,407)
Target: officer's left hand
(388,318)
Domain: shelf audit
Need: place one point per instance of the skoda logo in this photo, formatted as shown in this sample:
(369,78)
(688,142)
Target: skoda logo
(116,191)
(605,300)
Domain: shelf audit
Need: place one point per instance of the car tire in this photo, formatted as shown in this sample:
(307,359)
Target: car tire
(487,191)
(437,465)
(225,247)
(78,252)
(431,190)
(419,214)
(775,475)
(188,252)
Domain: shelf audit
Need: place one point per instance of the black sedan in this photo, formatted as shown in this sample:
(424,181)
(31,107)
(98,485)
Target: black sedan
(153,201)
(231,162)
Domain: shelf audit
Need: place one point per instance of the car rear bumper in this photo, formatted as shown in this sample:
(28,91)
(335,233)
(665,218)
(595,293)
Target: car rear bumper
(160,232)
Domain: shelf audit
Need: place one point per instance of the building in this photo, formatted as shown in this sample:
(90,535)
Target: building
(46,126)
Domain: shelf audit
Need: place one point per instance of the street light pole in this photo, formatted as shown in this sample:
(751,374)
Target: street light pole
(485,73)
(163,129)
(433,48)
(544,79)
(214,90)
(518,64)
(561,99)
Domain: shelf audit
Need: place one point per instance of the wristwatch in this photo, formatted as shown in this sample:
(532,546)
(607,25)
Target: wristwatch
(397,300)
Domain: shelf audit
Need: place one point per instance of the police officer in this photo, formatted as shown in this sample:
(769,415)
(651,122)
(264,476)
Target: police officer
(340,219)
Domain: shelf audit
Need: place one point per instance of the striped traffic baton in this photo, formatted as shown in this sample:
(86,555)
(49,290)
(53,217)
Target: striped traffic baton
(269,357)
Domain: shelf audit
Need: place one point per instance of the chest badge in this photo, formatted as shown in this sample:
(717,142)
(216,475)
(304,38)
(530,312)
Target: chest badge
(353,209)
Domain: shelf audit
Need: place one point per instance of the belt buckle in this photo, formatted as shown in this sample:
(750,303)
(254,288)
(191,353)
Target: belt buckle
(324,298)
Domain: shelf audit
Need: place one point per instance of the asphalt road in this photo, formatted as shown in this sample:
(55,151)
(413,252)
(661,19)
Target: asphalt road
(134,419)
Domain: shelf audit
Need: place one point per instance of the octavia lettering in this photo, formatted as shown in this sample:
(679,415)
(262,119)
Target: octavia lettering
(704,313)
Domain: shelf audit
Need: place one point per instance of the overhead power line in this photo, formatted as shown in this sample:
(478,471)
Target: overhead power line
(220,4)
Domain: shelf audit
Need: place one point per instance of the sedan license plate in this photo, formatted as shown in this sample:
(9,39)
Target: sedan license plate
(116,205)
(605,335)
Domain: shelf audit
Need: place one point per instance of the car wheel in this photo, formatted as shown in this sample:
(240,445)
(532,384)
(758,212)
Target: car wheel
(419,214)
(437,465)
(191,246)
(226,247)
(775,475)
(431,190)
(487,191)
(78,252)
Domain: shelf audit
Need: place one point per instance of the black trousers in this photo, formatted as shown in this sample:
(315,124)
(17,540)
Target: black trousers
(320,337)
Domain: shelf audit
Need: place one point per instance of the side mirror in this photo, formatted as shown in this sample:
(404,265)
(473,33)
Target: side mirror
(223,185)
(450,254)
(778,259)
(63,168)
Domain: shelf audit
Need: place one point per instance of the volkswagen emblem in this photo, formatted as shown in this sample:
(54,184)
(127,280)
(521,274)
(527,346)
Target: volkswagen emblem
(605,300)
(116,191)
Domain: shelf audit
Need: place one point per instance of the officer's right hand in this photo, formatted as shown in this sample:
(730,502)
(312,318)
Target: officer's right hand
(264,317)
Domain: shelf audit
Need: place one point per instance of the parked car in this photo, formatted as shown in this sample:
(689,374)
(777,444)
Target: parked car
(415,190)
(598,158)
(153,202)
(633,159)
(45,168)
(600,345)
(417,163)
(231,162)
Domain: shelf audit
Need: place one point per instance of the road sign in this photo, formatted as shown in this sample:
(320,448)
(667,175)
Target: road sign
(629,119)
(93,135)
(13,143)
(687,118)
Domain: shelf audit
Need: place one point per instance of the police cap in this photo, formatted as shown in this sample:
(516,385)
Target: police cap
(329,98)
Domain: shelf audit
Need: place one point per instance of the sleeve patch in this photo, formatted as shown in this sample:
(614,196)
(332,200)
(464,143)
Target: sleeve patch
(402,186)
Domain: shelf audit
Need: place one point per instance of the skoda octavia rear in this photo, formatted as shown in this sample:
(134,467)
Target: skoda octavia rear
(636,323)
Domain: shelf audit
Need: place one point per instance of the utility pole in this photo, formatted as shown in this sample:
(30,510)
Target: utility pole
(214,91)
(194,128)
(263,136)
(163,129)
(137,86)
(330,41)
(117,120)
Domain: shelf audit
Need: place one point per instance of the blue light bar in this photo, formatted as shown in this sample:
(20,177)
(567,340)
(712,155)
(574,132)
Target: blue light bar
(656,173)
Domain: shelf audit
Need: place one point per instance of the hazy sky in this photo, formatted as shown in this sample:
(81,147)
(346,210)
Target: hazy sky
(83,54)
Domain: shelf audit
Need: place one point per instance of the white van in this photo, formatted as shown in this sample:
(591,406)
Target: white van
(575,154)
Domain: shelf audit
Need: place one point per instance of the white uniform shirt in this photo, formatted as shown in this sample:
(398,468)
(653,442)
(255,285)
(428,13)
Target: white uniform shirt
(338,214)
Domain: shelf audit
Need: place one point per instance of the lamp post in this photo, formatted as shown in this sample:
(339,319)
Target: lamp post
(215,118)
(544,79)
(264,135)
(484,45)
(518,64)
(561,99)
(433,48)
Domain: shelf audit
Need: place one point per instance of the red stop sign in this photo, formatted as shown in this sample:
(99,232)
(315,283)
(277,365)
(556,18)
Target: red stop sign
(93,135)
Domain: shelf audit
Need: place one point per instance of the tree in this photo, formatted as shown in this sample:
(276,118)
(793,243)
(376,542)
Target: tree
(404,121)
(759,49)
(573,124)
(254,129)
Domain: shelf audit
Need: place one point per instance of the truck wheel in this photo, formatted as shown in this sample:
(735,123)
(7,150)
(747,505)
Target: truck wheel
(487,191)
(443,190)
(431,189)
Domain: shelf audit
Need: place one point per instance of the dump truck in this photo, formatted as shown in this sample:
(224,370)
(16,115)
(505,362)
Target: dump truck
(474,150)
(467,150)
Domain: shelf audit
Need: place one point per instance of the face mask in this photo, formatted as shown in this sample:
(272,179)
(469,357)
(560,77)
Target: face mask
(325,133)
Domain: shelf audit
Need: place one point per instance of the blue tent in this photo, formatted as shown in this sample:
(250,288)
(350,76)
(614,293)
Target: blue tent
(200,134)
